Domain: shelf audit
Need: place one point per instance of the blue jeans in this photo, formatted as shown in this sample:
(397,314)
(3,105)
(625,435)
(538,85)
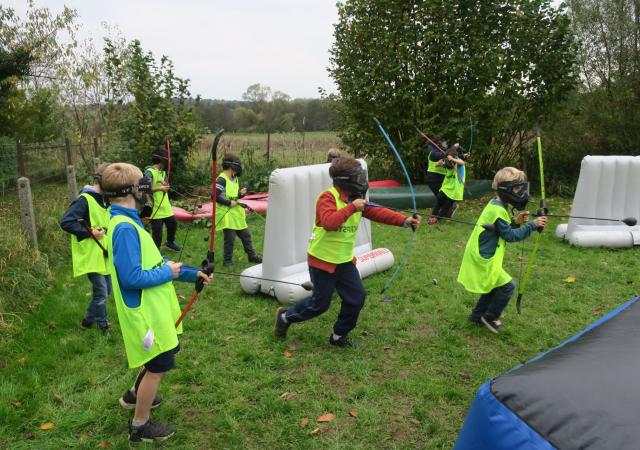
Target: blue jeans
(492,303)
(346,280)
(97,309)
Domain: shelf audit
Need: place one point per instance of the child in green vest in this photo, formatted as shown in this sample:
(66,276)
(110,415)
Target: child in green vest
(88,215)
(481,271)
(145,298)
(332,265)
(162,213)
(230,214)
(452,188)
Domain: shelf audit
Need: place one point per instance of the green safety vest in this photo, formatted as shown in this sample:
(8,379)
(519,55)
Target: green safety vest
(478,274)
(161,204)
(335,246)
(451,185)
(232,218)
(434,167)
(86,255)
(158,310)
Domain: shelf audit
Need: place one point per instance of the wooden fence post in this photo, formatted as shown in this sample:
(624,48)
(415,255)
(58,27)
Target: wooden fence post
(71,172)
(26,210)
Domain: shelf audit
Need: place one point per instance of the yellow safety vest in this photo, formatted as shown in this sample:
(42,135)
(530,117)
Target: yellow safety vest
(158,310)
(434,167)
(86,255)
(161,204)
(232,218)
(478,274)
(451,185)
(335,246)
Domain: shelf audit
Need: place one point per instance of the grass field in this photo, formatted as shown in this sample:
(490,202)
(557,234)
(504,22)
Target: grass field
(234,387)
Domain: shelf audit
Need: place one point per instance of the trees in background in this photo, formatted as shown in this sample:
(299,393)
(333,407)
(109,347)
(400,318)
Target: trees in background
(435,64)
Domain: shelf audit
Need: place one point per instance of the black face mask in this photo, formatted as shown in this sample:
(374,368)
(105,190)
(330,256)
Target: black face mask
(236,166)
(355,184)
(516,193)
(141,191)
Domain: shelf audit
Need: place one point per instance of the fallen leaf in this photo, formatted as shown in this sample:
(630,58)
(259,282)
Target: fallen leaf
(434,281)
(57,397)
(53,325)
(103,444)
(28,435)
(570,279)
(414,421)
(48,426)
(288,354)
(314,431)
(328,417)
(464,375)
(353,413)
(254,320)
(85,435)
(2,365)
(22,361)
(288,394)
(196,363)
(386,349)
(68,285)
(597,311)
(304,422)
(88,294)
(229,338)
(17,404)
(182,297)
(365,333)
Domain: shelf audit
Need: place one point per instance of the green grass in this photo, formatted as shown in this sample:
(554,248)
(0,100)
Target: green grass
(411,385)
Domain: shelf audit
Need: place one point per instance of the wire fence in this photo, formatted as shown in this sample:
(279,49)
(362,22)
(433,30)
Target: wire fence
(44,162)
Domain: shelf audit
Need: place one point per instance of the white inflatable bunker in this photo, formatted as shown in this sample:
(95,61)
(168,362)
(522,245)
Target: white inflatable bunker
(608,188)
(292,199)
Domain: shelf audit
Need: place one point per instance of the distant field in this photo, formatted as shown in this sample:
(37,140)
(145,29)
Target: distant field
(286,148)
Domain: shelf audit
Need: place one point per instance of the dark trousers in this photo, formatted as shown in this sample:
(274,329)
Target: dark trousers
(156,229)
(492,303)
(346,280)
(434,181)
(230,237)
(443,205)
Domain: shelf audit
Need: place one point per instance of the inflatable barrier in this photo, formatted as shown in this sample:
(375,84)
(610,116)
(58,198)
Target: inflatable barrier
(400,197)
(292,196)
(607,188)
(583,394)
(257,202)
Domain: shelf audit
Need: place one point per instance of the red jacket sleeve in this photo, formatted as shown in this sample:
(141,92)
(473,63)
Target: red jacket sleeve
(383,215)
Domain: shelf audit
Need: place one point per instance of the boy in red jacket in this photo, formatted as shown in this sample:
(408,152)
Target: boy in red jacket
(330,253)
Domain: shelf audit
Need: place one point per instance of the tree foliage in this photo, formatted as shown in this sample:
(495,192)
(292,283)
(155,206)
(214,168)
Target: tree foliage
(433,64)
(151,103)
(603,116)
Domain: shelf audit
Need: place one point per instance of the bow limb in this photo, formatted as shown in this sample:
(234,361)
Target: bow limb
(409,247)
(470,134)
(542,211)
(208,264)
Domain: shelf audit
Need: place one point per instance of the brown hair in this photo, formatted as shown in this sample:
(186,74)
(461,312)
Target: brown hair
(343,166)
(117,176)
(507,174)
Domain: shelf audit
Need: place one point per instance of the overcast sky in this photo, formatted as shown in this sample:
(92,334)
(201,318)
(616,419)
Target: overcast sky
(223,46)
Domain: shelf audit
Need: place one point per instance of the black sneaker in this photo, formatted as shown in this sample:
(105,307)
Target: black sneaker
(86,324)
(173,246)
(128,400)
(280,327)
(151,431)
(344,341)
(255,259)
(452,210)
(493,325)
